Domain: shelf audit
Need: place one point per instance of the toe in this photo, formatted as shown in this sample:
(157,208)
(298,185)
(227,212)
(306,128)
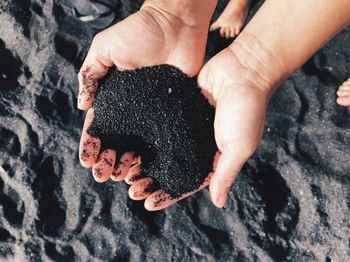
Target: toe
(343,100)
(237,30)
(227,32)
(89,147)
(141,189)
(121,168)
(222,32)
(133,172)
(103,168)
(232,33)
(214,26)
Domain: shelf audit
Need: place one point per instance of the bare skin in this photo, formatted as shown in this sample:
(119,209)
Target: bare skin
(232,19)
(343,94)
(240,80)
(239,122)
(162,32)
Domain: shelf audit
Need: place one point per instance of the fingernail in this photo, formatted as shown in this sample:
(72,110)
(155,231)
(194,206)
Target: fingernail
(81,101)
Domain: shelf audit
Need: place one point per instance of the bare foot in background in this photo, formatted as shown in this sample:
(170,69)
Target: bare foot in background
(344,94)
(232,19)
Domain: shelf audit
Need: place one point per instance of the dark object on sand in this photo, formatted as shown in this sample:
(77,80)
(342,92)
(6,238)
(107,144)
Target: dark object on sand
(159,113)
(97,13)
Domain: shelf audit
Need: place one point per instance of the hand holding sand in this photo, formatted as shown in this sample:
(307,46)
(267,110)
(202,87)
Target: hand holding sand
(240,107)
(162,32)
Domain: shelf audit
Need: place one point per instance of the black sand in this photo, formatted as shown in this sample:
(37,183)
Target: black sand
(159,113)
(290,203)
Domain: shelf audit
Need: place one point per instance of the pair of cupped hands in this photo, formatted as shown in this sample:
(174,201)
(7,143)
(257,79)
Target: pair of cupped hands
(154,36)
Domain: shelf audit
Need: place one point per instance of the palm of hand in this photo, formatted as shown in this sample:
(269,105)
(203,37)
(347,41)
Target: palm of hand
(135,42)
(240,105)
(239,117)
(146,38)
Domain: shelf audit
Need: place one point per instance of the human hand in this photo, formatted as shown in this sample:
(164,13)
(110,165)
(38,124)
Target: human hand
(162,32)
(239,121)
(240,107)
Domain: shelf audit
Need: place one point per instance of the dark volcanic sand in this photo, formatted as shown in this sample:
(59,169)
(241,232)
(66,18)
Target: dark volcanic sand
(290,203)
(159,113)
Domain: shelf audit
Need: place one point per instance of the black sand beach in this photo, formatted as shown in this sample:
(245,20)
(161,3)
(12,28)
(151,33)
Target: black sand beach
(290,203)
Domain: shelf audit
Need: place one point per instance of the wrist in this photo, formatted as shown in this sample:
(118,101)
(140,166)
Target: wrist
(196,13)
(261,66)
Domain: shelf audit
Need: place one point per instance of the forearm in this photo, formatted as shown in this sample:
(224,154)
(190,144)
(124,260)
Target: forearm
(285,33)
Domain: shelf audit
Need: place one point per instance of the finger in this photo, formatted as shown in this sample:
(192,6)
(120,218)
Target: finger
(343,101)
(103,168)
(89,147)
(121,168)
(133,172)
(225,174)
(343,93)
(160,200)
(141,189)
(94,68)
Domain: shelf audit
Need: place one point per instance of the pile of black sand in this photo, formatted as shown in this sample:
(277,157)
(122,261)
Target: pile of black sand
(159,113)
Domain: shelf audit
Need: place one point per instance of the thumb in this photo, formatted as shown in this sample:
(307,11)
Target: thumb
(226,171)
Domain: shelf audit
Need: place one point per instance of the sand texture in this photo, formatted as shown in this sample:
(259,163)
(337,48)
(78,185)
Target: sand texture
(291,202)
(169,124)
